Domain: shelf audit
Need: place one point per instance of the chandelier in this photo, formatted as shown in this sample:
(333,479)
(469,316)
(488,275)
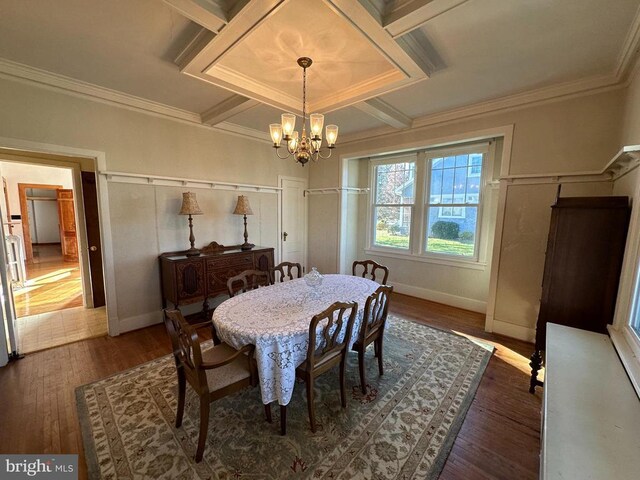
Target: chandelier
(303,148)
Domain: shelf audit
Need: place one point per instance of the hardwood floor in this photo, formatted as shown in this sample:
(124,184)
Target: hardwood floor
(498,440)
(51,284)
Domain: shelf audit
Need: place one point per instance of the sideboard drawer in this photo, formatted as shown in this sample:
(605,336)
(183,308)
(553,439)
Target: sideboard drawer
(243,262)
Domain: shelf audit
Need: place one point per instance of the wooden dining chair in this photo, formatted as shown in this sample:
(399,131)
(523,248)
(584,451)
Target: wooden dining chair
(248,280)
(369,269)
(326,350)
(213,373)
(286,270)
(371,329)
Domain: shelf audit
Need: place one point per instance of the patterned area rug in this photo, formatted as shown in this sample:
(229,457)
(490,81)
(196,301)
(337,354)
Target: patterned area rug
(403,428)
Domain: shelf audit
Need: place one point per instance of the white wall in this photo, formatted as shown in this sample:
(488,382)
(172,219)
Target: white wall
(16,173)
(144,220)
(574,135)
(44,221)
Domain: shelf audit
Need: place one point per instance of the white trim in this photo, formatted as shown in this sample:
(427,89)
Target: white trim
(512,330)
(147,179)
(628,52)
(140,321)
(77,88)
(103,212)
(550,94)
(331,190)
(628,349)
(441,297)
(400,254)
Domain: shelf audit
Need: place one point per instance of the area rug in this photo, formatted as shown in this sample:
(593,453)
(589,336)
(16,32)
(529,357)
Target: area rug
(404,427)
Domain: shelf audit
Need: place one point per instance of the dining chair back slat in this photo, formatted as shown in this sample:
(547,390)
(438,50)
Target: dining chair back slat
(286,271)
(370,269)
(247,280)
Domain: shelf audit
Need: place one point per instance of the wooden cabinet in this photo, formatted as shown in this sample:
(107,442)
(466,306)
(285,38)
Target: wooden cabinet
(585,248)
(187,280)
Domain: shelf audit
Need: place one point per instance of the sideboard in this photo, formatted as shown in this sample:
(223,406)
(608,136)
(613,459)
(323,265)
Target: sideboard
(188,280)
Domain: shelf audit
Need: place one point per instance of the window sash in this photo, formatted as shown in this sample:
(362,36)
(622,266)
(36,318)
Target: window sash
(420,208)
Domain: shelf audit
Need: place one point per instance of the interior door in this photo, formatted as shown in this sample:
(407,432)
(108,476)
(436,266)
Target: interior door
(67,218)
(92,220)
(293,239)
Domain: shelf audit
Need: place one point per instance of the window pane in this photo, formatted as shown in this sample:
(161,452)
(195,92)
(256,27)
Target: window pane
(449,162)
(462,160)
(460,184)
(436,186)
(395,183)
(452,234)
(393,225)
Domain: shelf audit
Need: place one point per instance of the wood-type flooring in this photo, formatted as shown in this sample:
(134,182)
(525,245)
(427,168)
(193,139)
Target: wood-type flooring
(500,437)
(51,284)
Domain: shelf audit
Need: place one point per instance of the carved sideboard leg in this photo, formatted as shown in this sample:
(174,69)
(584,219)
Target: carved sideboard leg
(535,364)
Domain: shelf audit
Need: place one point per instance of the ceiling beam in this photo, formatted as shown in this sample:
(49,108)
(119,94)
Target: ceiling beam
(228,108)
(385,113)
(422,52)
(411,15)
(206,13)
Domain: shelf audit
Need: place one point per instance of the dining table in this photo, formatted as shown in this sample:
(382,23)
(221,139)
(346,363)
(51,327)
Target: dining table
(276,320)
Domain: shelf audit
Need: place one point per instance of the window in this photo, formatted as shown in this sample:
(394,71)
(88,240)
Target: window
(454,194)
(434,196)
(394,200)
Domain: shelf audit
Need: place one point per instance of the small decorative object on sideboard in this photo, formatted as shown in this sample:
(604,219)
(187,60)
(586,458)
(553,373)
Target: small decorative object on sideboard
(190,207)
(243,208)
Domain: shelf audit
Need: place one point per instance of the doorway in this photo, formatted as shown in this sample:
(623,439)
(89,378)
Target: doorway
(46,275)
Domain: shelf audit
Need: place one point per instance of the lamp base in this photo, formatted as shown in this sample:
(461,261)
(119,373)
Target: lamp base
(192,252)
(246,246)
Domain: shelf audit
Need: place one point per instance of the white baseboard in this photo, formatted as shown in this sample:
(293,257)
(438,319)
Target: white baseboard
(441,297)
(140,321)
(514,331)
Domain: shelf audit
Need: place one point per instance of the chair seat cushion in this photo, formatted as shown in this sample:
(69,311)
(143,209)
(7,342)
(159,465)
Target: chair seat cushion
(224,376)
(334,356)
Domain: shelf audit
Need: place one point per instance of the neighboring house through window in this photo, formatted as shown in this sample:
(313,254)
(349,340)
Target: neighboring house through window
(446,214)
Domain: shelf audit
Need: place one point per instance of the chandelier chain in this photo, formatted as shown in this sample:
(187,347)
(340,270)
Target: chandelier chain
(304,96)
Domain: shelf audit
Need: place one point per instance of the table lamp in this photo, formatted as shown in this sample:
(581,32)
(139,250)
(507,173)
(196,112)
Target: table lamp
(243,208)
(190,207)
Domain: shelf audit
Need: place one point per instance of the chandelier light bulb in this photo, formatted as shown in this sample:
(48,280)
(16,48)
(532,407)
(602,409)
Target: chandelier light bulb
(332,135)
(293,142)
(317,121)
(288,124)
(276,133)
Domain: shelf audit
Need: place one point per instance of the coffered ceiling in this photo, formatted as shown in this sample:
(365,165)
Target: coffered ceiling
(376,63)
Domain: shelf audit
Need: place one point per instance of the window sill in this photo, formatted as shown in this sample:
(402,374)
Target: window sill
(627,348)
(451,262)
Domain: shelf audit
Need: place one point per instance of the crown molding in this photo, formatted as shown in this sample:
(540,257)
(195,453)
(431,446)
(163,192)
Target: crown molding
(629,50)
(60,83)
(553,93)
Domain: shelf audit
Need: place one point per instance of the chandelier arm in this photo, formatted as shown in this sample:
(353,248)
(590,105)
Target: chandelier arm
(322,156)
(281,157)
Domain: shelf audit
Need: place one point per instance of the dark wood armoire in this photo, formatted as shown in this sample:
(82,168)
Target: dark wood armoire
(585,248)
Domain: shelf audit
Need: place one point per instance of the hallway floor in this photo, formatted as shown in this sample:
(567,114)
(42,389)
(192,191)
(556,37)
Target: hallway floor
(49,306)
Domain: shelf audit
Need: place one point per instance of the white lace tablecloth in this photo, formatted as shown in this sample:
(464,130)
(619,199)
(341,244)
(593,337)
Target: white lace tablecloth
(276,320)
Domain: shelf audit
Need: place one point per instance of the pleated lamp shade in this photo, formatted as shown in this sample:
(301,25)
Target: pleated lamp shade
(189,204)
(243,207)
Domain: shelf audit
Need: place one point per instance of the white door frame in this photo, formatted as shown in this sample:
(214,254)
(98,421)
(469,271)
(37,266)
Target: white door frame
(281,179)
(6,312)
(100,164)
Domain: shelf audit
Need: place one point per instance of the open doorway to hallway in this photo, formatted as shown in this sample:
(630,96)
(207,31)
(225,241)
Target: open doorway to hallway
(43,245)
